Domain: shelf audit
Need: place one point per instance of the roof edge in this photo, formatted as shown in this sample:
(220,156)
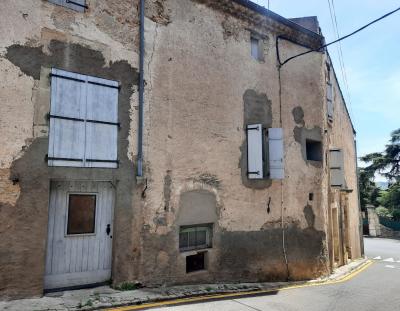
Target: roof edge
(264,11)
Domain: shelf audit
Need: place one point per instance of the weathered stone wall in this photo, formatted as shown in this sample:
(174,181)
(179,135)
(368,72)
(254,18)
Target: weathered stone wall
(341,135)
(35,36)
(203,88)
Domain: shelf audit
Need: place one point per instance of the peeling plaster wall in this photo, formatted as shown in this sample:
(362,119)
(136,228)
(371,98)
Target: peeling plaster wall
(197,100)
(202,87)
(341,136)
(53,36)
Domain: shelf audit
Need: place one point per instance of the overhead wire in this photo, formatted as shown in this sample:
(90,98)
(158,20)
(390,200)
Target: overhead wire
(340,39)
(332,12)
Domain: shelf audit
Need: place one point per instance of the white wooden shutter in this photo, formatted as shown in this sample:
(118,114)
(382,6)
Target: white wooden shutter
(275,139)
(77,5)
(336,165)
(102,123)
(83,121)
(67,114)
(255,151)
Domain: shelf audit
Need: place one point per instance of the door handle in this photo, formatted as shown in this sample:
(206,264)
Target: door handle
(108,229)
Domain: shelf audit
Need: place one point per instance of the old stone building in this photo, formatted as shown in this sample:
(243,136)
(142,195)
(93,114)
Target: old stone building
(218,163)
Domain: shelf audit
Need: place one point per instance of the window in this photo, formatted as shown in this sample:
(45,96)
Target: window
(195,237)
(257,51)
(264,160)
(83,121)
(81,214)
(77,5)
(314,150)
(195,262)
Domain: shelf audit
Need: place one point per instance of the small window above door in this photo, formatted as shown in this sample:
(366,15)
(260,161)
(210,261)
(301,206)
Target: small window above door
(81,214)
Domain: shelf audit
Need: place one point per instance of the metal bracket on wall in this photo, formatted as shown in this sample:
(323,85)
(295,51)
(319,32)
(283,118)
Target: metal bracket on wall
(253,129)
(78,119)
(47,158)
(257,173)
(78,4)
(84,81)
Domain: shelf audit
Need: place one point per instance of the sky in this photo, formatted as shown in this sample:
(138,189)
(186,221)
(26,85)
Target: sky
(371,59)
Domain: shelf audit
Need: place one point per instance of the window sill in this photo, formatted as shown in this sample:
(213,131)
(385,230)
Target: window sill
(194,251)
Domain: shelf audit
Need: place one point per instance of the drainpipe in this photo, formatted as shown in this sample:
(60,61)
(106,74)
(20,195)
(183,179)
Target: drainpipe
(141,92)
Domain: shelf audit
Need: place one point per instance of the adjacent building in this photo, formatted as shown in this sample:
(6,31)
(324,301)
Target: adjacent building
(185,151)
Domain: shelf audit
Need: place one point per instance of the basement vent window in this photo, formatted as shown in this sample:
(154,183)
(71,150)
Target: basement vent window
(76,5)
(196,262)
(195,237)
(314,150)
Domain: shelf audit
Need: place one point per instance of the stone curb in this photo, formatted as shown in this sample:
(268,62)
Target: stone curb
(105,298)
(338,274)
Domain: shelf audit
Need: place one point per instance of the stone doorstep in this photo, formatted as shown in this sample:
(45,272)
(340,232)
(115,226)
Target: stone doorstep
(105,297)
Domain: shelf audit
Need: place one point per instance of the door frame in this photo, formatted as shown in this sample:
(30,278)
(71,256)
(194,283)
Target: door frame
(114,194)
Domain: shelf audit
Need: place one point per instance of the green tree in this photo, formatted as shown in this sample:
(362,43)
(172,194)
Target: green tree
(391,198)
(369,192)
(386,163)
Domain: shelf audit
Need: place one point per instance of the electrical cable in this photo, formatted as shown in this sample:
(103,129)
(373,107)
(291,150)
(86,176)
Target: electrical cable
(335,26)
(340,39)
(283,225)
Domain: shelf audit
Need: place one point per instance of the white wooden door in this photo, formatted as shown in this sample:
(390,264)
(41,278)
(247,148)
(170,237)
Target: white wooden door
(80,227)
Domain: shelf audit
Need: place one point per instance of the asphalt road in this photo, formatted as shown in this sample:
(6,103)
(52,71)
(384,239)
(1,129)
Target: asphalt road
(376,288)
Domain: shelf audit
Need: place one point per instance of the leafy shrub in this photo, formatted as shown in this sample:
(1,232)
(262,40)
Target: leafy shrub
(383,212)
(396,214)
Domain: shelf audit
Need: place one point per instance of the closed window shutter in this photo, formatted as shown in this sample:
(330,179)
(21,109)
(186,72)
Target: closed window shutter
(102,124)
(336,165)
(254,48)
(83,121)
(329,96)
(67,127)
(255,151)
(77,5)
(275,139)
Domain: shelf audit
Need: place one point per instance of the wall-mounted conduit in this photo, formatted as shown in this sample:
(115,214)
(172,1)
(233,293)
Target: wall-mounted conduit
(141,92)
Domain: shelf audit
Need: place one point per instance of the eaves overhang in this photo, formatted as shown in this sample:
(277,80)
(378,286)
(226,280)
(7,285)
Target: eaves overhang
(264,11)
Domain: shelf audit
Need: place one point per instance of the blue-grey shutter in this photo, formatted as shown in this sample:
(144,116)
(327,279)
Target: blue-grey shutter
(336,165)
(102,123)
(83,121)
(255,151)
(67,114)
(275,139)
(77,5)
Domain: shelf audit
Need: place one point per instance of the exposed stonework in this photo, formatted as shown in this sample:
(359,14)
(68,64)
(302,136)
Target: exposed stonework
(257,110)
(202,89)
(33,175)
